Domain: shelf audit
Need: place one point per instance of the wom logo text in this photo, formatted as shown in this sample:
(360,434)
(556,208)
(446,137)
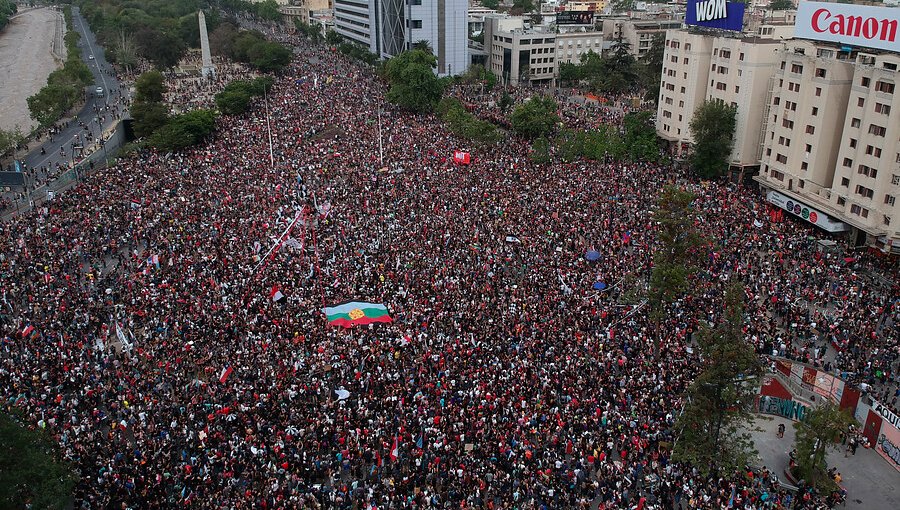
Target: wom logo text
(711,9)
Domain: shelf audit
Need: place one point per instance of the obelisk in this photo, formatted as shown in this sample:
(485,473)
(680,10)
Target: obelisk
(209,70)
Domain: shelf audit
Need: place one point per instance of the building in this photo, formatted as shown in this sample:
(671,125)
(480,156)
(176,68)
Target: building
(700,67)
(520,54)
(476,17)
(302,9)
(832,145)
(638,33)
(389,27)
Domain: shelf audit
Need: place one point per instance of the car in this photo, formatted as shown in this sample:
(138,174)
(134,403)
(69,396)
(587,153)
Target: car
(98,91)
(90,57)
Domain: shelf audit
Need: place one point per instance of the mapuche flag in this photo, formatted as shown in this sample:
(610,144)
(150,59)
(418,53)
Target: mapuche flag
(354,313)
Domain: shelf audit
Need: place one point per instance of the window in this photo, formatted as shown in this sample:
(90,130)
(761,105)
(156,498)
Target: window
(726,53)
(686,60)
(886,219)
(867,171)
(895,180)
(741,57)
(845,182)
(781,158)
(783,63)
(815,111)
(889,200)
(873,151)
(820,73)
(784,141)
(859,211)
(848,162)
(860,102)
(854,123)
(802,183)
(853,143)
(787,123)
(876,130)
(776,101)
(804,166)
(864,191)
(808,148)
(842,201)
(883,86)
(796,68)
(769,151)
(777,175)
(884,109)
(818,91)
(416,23)
(864,82)
(810,130)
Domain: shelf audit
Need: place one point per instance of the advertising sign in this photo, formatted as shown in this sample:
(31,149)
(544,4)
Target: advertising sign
(809,214)
(849,24)
(575,18)
(715,14)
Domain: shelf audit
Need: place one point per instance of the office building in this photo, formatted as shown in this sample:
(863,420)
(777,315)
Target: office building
(389,27)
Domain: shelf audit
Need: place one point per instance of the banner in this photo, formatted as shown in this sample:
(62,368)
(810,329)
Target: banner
(715,14)
(575,18)
(849,24)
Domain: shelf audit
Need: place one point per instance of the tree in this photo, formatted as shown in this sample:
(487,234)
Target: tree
(490,4)
(10,140)
(817,433)
(125,50)
(32,474)
(149,87)
(536,117)
(268,10)
(423,45)
(640,137)
(464,124)
(569,73)
(618,72)
(221,40)
(712,127)
(148,117)
(413,84)
(711,426)
(269,57)
(781,5)
(51,102)
(162,49)
(520,7)
(184,130)
(674,260)
(651,67)
(505,101)
(333,38)
(540,150)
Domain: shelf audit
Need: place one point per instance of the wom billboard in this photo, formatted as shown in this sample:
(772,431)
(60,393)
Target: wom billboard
(850,25)
(715,14)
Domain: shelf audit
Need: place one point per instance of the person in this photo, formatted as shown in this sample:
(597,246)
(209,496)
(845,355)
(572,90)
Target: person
(781,430)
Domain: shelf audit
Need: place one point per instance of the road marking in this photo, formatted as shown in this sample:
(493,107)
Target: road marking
(91,48)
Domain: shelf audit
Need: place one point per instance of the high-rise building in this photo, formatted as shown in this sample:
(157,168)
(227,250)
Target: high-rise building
(389,27)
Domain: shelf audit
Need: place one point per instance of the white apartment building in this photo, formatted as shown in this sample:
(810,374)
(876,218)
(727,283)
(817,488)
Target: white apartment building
(518,54)
(638,33)
(389,27)
(698,67)
(833,144)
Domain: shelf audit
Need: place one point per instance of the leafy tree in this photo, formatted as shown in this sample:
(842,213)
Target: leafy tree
(32,474)
(640,137)
(269,56)
(781,5)
(674,260)
(569,73)
(505,101)
(162,49)
(618,72)
(651,67)
(125,50)
(423,45)
(333,38)
(268,10)
(149,87)
(148,117)
(221,40)
(51,102)
(536,117)
(413,84)
(540,150)
(10,139)
(232,102)
(820,431)
(490,4)
(712,127)
(464,124)
(711,433)
(7,9)
(520,7)
(184,130)
(188,30)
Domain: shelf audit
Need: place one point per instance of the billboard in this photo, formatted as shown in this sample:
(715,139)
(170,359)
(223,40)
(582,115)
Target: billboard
(715,14)
(850,25)
(575,18)
(809,214)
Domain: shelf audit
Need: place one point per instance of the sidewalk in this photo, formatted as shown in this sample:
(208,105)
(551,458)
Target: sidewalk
(870,482)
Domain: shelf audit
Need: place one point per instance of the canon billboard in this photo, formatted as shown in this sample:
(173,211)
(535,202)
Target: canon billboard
(850,25)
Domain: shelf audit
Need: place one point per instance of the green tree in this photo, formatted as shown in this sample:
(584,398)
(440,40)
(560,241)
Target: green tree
(413,85)
(221,40)
(232,102)
(712,427)
(269,57)
(184,130)
(164,50)
(51,102)
(148,117)
(125,50)
(10,139)
(333,38)
(464,124)
(490,4)
(520,7)
(540,150)
(674,260)
(781,5)
(651,67)
(619,72)
(31,470)
(817,433)
(536,117)
(640,137)
(505,101)
(149,87)
(268,10)
(569,73)
(423,45)
(712,128)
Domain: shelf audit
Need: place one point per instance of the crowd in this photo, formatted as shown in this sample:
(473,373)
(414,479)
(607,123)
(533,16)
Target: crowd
(140,333)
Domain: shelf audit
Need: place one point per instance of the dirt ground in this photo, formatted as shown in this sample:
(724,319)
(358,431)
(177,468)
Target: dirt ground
(26,59)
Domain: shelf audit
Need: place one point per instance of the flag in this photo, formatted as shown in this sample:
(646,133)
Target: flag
(569,447)
(378,461)
(29,331)
(354,313)
(395,450)
(121,335)
(275,295)
(461,158)
(153,260)
(226,371)
(420,439)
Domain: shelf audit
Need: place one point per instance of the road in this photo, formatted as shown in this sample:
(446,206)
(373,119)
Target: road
(97,116)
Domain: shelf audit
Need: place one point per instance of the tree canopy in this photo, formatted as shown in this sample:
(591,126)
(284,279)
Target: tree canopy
(712,127)
(149,87)
(536,117)
(674,260)
(413,84)
(816,434)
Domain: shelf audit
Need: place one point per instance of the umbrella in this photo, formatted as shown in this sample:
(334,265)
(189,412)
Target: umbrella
(592,255)
(599,285)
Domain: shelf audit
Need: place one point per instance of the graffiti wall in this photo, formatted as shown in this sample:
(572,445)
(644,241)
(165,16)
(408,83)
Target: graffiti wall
(786,408)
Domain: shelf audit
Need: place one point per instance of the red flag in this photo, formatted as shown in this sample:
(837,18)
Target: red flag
(395,449)
(226,371)
(461,158)
(569,447)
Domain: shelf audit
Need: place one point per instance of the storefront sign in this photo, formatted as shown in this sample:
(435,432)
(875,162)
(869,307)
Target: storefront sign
(809,214)
(849,24)
(715,14)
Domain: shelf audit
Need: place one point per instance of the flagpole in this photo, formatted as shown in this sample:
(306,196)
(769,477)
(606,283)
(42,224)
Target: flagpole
(380,146)
(278,241)
(269,127)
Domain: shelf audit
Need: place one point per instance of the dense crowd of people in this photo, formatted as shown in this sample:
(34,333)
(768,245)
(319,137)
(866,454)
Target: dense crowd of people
(140,332)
